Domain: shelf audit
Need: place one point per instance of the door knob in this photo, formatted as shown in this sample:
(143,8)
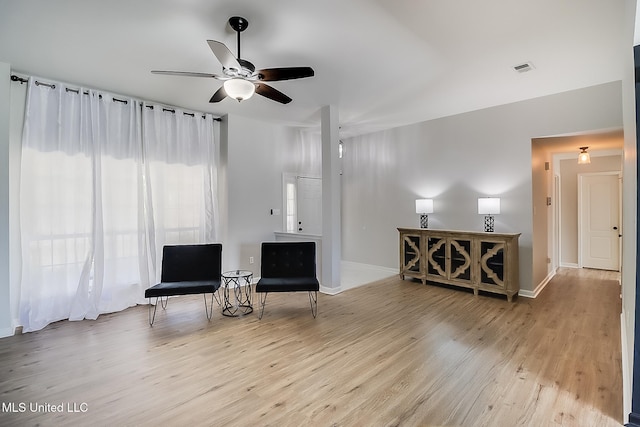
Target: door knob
(615,228)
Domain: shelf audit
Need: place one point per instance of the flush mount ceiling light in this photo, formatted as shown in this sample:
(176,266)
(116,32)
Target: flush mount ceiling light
(239,89)
(583,157)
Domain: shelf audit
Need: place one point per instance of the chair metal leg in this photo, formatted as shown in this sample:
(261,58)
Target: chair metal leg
(155,306)
(313,299)
(208,310)
(163,302)
(215,294)
(263,300)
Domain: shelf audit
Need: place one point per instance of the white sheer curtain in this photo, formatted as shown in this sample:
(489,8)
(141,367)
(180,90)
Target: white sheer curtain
(98,200)
(181,160)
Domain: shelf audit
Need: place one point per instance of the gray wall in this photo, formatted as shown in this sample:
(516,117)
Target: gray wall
(254,156)
(629,210)
(454,160)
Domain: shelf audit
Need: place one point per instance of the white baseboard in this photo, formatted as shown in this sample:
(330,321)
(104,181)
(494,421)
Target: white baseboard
(355,274)
(330,291)
(371,267)
(533,294)
(569,265)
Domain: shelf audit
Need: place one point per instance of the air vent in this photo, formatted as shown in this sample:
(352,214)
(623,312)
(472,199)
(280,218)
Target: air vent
(523,68)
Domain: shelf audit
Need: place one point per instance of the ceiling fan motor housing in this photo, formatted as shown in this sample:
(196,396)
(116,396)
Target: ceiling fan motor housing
(238,23)
(247,70)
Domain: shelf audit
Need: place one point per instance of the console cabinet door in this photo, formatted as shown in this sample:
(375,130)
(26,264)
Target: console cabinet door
(410,255)
(460,265)
(437,265)
(449,258)
(493,269)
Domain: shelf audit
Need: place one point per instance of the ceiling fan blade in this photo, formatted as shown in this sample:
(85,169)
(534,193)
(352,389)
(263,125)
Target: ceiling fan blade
(271,93)
(224,55)
(186,73)
(286,73)
(219,95)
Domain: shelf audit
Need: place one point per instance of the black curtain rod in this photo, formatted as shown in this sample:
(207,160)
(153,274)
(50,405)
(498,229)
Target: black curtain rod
(45,84)
(171,110)
(15,78)
(68,89)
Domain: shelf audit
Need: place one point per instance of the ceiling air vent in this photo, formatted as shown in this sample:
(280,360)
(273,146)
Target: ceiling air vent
(523,68)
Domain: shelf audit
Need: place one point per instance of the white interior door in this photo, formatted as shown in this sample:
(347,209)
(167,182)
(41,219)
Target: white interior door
(599,231)
(309,197)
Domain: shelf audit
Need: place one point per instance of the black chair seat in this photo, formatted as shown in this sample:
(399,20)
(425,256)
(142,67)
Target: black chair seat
(166,289)
(287,284)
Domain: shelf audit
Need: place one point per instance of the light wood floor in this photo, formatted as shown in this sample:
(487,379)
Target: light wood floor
(392,353)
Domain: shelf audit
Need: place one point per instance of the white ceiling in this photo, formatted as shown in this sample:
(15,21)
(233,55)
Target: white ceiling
(382,63)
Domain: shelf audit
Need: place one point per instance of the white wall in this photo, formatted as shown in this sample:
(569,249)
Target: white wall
(257,154)
(454,160)
(542,239)
(5,230)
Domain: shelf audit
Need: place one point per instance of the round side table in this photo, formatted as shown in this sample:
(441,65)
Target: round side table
(238,283)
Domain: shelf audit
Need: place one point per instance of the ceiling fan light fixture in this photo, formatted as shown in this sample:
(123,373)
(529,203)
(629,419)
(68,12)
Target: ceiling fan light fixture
(239,89)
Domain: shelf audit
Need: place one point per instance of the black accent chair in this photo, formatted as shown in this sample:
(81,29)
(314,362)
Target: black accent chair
(288,267)
(187,270)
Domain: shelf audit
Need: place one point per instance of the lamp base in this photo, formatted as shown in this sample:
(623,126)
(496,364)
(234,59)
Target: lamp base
(488,223)
(424,221)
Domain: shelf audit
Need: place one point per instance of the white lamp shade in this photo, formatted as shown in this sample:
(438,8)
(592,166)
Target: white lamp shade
(488,205)
(424,206)
(239,89)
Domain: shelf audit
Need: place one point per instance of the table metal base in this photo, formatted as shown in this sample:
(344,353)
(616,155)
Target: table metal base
(237,293)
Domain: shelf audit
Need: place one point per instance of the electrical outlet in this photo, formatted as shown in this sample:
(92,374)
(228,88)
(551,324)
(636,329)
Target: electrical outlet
(250,260)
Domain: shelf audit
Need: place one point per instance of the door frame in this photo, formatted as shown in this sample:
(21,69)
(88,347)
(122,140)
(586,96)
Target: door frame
(618,174)
(556,222)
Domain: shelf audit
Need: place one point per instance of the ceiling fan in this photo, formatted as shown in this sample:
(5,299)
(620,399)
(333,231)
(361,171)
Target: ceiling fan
(241,80)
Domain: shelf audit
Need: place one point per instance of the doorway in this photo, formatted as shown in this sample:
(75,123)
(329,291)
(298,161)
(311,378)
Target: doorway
(599,220)
(302,198)
(555,172)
